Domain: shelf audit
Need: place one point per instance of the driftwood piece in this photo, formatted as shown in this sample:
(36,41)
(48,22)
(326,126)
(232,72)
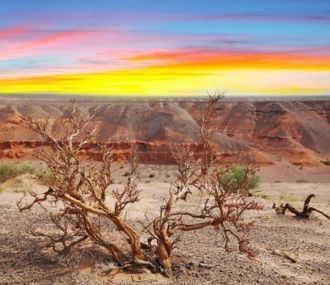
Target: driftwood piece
(304,214)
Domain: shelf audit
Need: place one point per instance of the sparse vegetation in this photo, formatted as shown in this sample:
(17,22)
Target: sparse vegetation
(45,177)
(11,170)
(84,214)
(292,198)
(234,175)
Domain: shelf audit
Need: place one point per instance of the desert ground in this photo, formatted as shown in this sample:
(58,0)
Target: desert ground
(199,258)
(288,139)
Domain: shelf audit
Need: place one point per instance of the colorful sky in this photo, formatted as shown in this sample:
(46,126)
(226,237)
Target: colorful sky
(165,48)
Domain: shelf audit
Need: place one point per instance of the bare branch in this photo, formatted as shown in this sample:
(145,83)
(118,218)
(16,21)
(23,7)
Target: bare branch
(304,214)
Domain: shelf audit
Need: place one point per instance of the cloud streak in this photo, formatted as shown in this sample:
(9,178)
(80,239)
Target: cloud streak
(229,59)
(162,48)
(263,16)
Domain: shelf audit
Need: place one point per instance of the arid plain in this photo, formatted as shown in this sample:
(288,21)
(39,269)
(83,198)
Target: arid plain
(289,141)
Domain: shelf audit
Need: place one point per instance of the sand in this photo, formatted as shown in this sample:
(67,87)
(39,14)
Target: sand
(199,259)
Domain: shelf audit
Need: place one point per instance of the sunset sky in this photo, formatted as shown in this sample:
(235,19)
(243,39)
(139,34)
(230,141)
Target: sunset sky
(165,48)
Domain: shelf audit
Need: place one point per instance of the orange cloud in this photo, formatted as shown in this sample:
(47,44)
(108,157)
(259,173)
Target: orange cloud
(237,59)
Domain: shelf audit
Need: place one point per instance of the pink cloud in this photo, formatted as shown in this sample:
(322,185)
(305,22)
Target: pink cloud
(67,37)
(45,42)
(11,32)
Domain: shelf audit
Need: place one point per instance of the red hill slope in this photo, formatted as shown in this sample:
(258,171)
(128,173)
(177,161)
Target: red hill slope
(262,132)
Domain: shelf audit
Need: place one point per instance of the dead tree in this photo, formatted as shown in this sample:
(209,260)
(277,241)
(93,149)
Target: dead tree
(86,210)
(81,190)
(304,214)
(225,200)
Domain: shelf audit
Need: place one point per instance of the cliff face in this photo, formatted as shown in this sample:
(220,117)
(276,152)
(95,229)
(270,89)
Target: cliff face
(262,132)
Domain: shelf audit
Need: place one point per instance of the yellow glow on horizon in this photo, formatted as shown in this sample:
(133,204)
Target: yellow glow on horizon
(171,81)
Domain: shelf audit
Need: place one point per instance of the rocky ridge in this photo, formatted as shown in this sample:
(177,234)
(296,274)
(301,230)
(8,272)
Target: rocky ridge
(262,132)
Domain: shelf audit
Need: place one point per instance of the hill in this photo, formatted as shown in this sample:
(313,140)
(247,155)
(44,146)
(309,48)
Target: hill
(259,131)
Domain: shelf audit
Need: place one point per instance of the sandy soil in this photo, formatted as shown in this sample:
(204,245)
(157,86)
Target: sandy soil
(200,258)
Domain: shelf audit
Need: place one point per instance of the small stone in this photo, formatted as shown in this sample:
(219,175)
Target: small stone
(190,266)
(203,264)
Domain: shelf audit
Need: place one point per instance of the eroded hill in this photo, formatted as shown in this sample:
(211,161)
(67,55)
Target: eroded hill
(262,132)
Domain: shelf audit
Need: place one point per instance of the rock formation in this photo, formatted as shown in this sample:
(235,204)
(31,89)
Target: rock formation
(257,131)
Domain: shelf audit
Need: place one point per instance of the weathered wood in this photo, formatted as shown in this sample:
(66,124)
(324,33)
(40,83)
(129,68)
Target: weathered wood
(304,214)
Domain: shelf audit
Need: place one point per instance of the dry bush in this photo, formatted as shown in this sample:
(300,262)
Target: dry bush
(86,210)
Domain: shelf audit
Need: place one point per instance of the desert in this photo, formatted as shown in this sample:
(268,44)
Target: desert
(287,141)
(164,142)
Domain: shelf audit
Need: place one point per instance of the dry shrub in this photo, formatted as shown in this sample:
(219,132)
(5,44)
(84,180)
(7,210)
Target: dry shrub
(86,210)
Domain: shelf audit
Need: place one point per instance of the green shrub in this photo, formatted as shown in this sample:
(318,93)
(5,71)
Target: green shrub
(239,178)
(11,170)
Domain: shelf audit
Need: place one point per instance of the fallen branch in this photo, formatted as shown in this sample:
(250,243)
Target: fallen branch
(304,214)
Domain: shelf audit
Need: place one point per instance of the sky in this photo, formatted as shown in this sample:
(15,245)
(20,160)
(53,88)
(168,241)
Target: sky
(165,48)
